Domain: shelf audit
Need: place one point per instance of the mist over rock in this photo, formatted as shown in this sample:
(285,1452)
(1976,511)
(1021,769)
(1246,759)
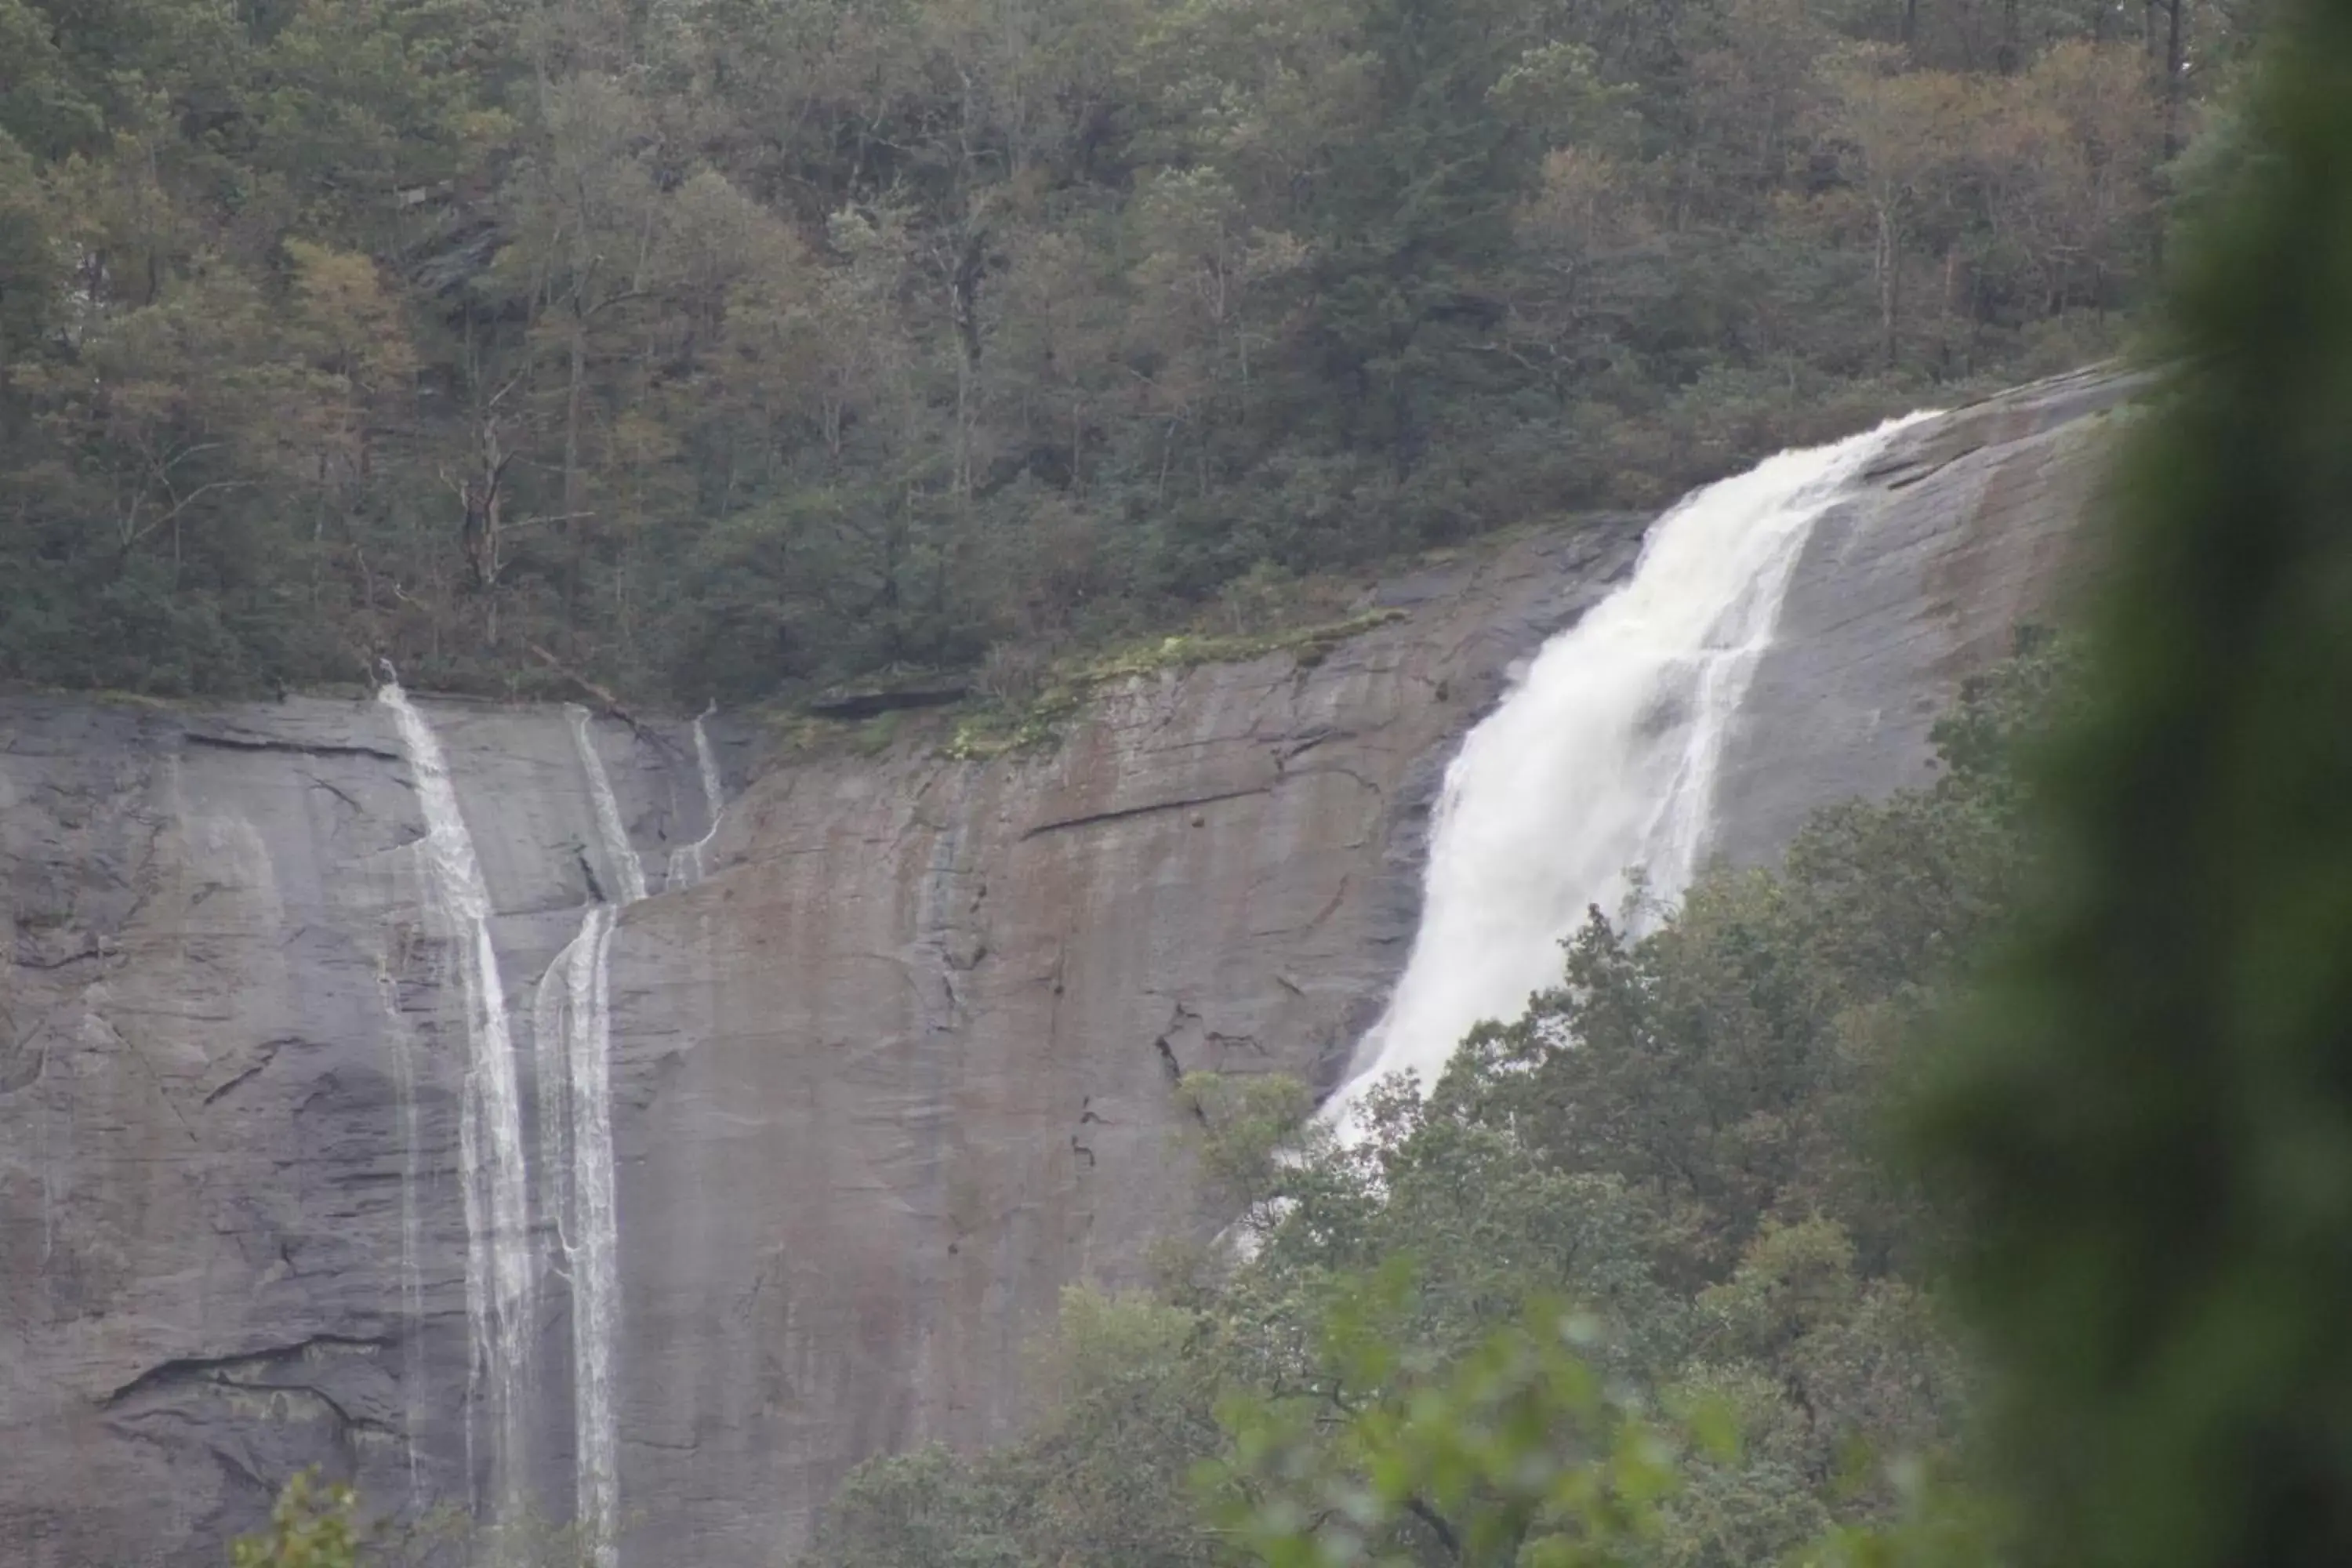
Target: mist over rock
(892,1049)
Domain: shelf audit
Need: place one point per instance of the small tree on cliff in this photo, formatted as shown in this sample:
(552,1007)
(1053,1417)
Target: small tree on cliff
(312,1527)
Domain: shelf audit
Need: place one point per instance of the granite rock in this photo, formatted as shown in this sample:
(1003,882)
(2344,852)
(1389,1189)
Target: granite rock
(888,1077)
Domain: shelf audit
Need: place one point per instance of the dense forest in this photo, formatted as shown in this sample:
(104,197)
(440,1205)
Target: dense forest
(731,347)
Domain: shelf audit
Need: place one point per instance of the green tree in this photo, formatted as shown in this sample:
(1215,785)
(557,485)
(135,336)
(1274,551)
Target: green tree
(1515,1455)
(311,1526)
(917,1511)
(2148,1120)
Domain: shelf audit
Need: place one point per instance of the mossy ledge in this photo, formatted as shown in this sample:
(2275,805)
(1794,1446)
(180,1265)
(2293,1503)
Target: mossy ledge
(997,729)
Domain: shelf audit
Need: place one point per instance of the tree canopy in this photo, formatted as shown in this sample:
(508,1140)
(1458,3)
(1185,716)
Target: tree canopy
(716,348)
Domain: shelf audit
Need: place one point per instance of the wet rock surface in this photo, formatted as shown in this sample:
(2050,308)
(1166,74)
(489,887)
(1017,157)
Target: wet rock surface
(896,1070)
(231,1240)
(1969,527)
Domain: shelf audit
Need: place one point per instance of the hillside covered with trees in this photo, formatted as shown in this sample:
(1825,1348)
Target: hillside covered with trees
(715,347)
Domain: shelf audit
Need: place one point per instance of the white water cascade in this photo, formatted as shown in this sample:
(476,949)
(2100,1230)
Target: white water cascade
(491,1169)
(687,864)
(573,1018)
(1603,759)
(412,1228)
(619,853)
(572,1031)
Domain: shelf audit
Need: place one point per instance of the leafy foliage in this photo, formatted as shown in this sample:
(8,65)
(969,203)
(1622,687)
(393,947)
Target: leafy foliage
(316,1524)
(713,347)
(310,1527)
(1517,1454)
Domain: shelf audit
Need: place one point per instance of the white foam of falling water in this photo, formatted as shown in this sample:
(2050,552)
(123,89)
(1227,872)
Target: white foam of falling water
(1603,758)
(491,1172)
(705,761)
(572,1040)
(552,1073)
(688,865)
(618,852)
(593,1236)
(412,1278)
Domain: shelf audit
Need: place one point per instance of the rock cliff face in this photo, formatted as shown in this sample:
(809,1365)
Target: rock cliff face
(231,1058)
(888,1077)
(1968,526)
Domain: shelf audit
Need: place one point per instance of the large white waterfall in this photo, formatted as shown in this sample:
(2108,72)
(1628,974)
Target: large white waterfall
(572,1040)
(1601,760)
(492,1173)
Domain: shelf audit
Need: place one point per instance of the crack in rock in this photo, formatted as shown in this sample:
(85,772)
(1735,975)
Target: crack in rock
(221,1369)
(294,748)
(1155,808)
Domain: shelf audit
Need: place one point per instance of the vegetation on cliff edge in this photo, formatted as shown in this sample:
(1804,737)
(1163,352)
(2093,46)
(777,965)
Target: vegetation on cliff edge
(711,348)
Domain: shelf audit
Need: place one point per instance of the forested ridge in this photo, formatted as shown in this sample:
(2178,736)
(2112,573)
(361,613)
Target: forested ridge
(731,347)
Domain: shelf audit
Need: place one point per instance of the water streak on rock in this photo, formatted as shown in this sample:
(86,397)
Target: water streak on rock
(491,1166)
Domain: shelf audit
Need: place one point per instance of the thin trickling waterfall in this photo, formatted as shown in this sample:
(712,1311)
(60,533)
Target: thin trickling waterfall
(618,852)
(552,1073)
(688,865)
(1601,760)
(491,1169)
(412,1276)
(572,1025)
(573,1013)
(705,762)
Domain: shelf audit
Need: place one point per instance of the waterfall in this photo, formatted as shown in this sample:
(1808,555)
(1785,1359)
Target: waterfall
(550,1063)
(573,1017)
(618,852)
(687,864)
(411,1231)
(1601,760)
(705,762)
(595,1258)
(572,1041)
(491,1170)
